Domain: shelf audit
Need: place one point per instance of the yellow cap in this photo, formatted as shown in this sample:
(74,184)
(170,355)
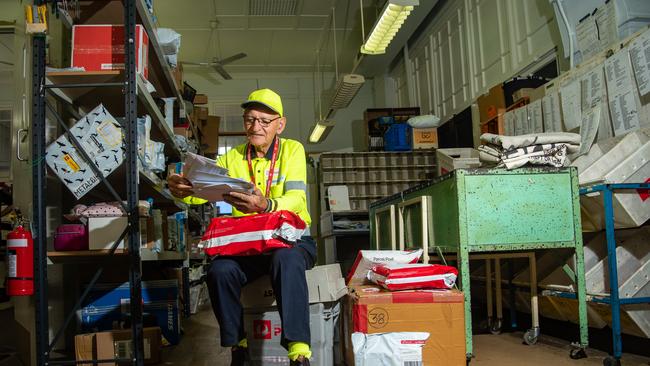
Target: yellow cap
(266,97)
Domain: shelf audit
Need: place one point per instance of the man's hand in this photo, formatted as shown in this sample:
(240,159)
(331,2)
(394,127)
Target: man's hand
(179,187)
(247,203)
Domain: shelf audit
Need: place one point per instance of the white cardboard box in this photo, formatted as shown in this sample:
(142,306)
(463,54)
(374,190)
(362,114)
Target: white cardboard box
(104,231)
(325,284)
(100,136)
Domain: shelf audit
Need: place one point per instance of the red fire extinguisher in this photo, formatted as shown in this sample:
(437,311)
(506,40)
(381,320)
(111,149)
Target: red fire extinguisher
(20,255)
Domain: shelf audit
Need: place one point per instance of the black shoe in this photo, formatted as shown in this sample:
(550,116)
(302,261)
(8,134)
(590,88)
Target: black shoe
(301,361)
(240,356)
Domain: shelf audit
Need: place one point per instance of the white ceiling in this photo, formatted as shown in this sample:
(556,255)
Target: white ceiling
(272,43)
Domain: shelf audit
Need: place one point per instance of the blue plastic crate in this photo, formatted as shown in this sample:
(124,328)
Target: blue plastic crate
(107,305)
(398,137)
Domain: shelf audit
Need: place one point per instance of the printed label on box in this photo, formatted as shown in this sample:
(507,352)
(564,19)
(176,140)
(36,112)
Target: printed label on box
(100,136)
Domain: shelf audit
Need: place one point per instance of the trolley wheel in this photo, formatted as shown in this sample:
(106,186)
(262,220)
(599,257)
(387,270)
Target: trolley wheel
(530,337)
(468,359)
(611,361)
(495,327)
(578,353)
(485,324)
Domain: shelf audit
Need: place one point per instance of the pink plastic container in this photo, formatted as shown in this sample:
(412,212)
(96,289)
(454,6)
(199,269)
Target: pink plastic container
(71,237)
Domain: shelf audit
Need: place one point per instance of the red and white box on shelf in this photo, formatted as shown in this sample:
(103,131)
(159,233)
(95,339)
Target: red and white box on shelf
(101,48)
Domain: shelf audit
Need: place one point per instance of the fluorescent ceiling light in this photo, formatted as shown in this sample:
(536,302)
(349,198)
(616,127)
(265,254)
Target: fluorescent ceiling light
(272,7)
(391,19)
(320,131)
(347,87)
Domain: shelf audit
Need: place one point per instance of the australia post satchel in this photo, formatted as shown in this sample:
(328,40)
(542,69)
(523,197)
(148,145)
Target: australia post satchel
(252,235)
(395,276)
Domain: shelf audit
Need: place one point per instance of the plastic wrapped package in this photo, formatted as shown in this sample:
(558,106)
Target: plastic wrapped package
(158,157)
(388,349)
(394,276)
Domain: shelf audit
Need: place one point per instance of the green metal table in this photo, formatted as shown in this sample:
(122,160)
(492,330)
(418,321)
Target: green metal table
(487,211)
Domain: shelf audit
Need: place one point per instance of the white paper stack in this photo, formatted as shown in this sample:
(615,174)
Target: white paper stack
(210,181)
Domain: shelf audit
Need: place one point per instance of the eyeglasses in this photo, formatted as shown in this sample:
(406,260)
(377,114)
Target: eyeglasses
(250,120)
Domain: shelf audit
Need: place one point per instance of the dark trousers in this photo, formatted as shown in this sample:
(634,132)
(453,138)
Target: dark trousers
(286,267)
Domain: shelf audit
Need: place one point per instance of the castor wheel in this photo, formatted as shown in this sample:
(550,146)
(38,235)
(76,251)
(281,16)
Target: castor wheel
(578,353)
(611,361)
(495,327)
(531,335)
(485,324)
(468,359)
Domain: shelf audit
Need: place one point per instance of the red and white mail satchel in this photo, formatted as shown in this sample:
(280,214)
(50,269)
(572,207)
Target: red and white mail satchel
(252,235)
(393,276)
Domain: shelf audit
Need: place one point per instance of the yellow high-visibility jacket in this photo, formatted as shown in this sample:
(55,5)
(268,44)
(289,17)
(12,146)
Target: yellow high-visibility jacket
(289,186)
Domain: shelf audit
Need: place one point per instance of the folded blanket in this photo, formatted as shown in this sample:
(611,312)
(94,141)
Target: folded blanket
(513,142)
(546,154)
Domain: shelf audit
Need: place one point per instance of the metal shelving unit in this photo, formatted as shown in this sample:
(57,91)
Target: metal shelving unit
(614,299)
(83,88)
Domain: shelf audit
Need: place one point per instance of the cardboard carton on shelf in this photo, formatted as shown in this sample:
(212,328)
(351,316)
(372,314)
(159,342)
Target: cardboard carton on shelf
(184,131)
(490,103)
(210,134)
(100,136)
(425,138)
(104,231)
(200,99)
(200,113)
(177,73)
(116,343)
(100,47)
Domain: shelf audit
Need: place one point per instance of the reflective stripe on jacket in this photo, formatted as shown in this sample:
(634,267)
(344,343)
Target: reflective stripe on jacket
(289,186)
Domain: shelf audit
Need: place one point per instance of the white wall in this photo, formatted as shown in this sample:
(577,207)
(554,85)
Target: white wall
(299,100)
(470,46)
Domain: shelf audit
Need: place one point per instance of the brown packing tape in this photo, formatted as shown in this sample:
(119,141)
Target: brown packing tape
(444,321)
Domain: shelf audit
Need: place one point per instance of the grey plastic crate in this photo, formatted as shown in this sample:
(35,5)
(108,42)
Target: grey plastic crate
(263,327)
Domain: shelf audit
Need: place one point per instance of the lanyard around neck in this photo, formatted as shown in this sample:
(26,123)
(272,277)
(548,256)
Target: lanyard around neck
(274,158)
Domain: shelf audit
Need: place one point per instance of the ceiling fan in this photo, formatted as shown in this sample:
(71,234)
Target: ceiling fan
(217,63)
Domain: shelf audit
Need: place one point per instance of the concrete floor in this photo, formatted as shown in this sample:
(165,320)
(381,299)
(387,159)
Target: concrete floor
(200,347)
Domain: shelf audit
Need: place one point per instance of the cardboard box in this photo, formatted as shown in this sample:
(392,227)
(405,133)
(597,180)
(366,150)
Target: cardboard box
(183,131)
(200,99)
(100,136)
(116,343)
(521,93)
(490,103)
(371,309)
(210,134)
(103,231)
(325,284)
(101,48)
(108,305)
(425,138)
(177,73)
(200,113)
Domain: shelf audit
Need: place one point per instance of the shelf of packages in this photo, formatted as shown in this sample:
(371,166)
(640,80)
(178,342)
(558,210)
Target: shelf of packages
(160,73)
(157,184)
(94,255)
(496,124)
(92,96)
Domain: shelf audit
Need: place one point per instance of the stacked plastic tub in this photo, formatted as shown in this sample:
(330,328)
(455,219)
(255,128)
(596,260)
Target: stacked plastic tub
(622,159)
(633,256)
